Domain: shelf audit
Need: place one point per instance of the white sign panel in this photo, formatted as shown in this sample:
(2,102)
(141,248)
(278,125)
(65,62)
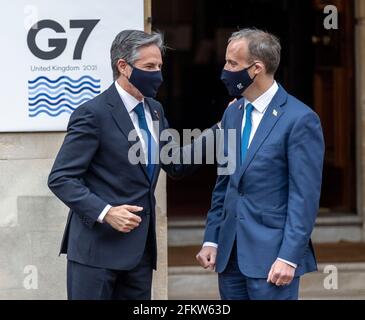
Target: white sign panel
(55,55)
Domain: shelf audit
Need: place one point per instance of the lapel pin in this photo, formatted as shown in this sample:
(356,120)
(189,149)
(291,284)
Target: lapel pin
(275,113)
(240,107)
(156,114)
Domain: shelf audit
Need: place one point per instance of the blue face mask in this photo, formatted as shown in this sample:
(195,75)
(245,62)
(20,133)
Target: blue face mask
(238,81)
(147,82)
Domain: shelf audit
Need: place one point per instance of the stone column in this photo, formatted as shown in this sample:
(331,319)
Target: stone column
(160,277)
(360,105)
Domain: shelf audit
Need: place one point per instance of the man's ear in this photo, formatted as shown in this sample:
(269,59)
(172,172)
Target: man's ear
(259,68)
(123,67)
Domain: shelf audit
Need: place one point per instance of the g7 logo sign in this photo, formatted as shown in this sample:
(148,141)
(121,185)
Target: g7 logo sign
(59,44)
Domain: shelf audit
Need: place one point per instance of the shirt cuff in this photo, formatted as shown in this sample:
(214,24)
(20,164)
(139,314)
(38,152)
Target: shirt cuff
(294,265)
(103,213)
(210,244)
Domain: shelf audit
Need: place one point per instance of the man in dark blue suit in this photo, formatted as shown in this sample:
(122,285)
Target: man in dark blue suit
(110,237)
(258,229)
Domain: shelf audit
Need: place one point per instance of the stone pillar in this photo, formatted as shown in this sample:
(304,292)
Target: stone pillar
(159,291)
(160,276)
(360,105)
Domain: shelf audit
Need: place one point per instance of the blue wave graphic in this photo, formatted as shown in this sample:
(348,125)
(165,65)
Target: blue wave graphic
(63,84)
(49,113)
(62,95)
(54,92)
(62,106)
(63,78)
(78,102)
(82,89)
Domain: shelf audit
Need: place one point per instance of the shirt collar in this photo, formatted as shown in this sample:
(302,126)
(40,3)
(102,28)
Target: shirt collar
(129,101)
(263,101)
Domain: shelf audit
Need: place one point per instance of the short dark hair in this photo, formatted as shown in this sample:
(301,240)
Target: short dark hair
(127,43)
(262,46)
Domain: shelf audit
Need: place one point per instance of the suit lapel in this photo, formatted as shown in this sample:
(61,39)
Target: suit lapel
(237,124)
(156,116)
(122,118)
(270,118)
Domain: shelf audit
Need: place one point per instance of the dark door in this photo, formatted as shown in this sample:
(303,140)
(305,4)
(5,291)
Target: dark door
(317,67)
(334,101)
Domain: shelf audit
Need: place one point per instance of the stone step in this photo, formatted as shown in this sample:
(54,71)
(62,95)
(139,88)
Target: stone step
(189,231)
(326,253)
(195,283)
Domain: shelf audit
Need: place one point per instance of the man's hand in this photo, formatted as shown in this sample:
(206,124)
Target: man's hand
(281,273)
(233,101)
(122,219)
(219,124)
(206,257)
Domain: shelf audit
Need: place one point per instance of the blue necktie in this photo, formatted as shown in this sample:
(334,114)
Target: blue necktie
(246,132)
(147,137)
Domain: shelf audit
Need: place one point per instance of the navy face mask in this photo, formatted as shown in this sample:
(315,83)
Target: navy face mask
(237,82)
(147,82)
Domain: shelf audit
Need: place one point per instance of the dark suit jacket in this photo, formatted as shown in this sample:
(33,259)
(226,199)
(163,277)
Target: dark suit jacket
(92,170)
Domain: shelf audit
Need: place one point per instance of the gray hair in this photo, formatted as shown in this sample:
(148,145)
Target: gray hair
(127,43)
(262,46)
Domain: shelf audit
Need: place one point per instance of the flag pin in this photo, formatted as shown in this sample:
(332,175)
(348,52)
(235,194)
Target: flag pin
(156,114)
(275,113)
(240,106)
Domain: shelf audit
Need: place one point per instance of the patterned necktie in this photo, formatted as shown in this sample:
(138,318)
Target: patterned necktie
(147,137)
(246,132)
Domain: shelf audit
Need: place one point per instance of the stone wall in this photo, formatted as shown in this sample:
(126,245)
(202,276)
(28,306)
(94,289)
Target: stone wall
(32,221)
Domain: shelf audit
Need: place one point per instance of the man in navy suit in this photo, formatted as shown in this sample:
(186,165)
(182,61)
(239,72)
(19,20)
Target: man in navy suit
(258,229)
(110,237)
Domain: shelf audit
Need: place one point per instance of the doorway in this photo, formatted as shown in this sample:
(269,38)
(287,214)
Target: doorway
(317,67)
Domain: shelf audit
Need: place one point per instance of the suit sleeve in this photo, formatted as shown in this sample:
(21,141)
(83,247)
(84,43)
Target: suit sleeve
(183,158)
(216,211)
(305,163)
(72,161)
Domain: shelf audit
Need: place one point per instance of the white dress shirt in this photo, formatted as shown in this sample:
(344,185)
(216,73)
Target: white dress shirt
(130,103)
(260,106)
